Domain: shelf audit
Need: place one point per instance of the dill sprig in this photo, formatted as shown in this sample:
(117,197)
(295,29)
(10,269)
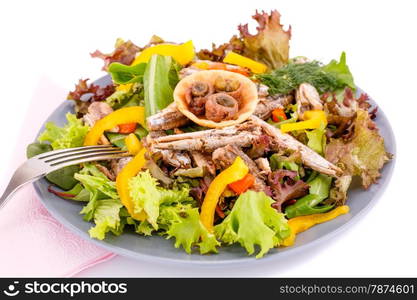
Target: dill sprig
(289,77)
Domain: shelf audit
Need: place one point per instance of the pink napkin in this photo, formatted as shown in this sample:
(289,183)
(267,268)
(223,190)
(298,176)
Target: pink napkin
(32,242)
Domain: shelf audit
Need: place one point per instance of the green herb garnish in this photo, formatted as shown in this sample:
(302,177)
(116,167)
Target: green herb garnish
(330,77)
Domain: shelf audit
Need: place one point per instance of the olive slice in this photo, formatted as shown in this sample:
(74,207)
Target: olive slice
(226,85)
(199,89)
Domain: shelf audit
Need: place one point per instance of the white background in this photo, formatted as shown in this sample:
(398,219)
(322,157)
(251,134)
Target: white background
(50,41)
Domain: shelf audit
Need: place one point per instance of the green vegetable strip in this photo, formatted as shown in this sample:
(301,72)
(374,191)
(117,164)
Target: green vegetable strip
(157,81)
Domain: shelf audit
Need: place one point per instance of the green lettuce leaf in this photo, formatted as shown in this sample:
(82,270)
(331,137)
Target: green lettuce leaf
(148,196)
(144,191)
(63,178)
(133,97)
(97,185)
(97,182)
(105,212)
(317,139)
(364,154)
(320,186)
(77,193)
(309,204)
(70,135)
(159,79)
(123,74)
(253,221)
(188,231)
(341,71)
(144,228)
(278,162)
(80,193)
(37,148)
(183,223)
(171,211)
(106,218)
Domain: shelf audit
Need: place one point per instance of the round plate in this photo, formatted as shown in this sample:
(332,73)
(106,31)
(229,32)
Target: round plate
(156,248)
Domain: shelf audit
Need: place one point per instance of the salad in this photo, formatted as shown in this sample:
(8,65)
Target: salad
(238,144)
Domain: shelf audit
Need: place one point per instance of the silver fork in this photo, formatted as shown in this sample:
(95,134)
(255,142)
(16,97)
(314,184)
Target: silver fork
(42,164)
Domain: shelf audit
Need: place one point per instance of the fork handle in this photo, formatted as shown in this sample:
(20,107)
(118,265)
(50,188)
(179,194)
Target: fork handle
(10,189)
(15,183)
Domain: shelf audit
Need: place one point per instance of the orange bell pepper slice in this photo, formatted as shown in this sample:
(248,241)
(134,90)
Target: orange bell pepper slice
(127,128)
(278,115)
(133,114)
(241,186)
(235,172)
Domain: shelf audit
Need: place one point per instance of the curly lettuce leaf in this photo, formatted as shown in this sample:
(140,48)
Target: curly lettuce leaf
(364,154)
(171,211)
(183,223)
(338,193)
(104,206)
(106,218)
(270,45)
(124,53)
(98,187)
(98,183)
(253,221)
(217,53)
(70,135)
(341,71)
(286,185)
(144,228)
(86,93)
(147,196)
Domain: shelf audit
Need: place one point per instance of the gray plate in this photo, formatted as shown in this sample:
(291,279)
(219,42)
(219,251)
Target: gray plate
(156,248)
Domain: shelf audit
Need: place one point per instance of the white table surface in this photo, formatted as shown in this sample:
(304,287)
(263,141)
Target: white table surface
(50,41)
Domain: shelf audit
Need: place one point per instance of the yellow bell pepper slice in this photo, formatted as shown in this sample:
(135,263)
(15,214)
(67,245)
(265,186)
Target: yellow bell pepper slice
(133,144)
(124,87)
(300,224)
(131,169)
(313,119)
(203,65)
(121,116)
(239,60)
(235,172)
(183,53)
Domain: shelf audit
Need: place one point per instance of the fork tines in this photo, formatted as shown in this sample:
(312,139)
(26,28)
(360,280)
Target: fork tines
(81,154)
